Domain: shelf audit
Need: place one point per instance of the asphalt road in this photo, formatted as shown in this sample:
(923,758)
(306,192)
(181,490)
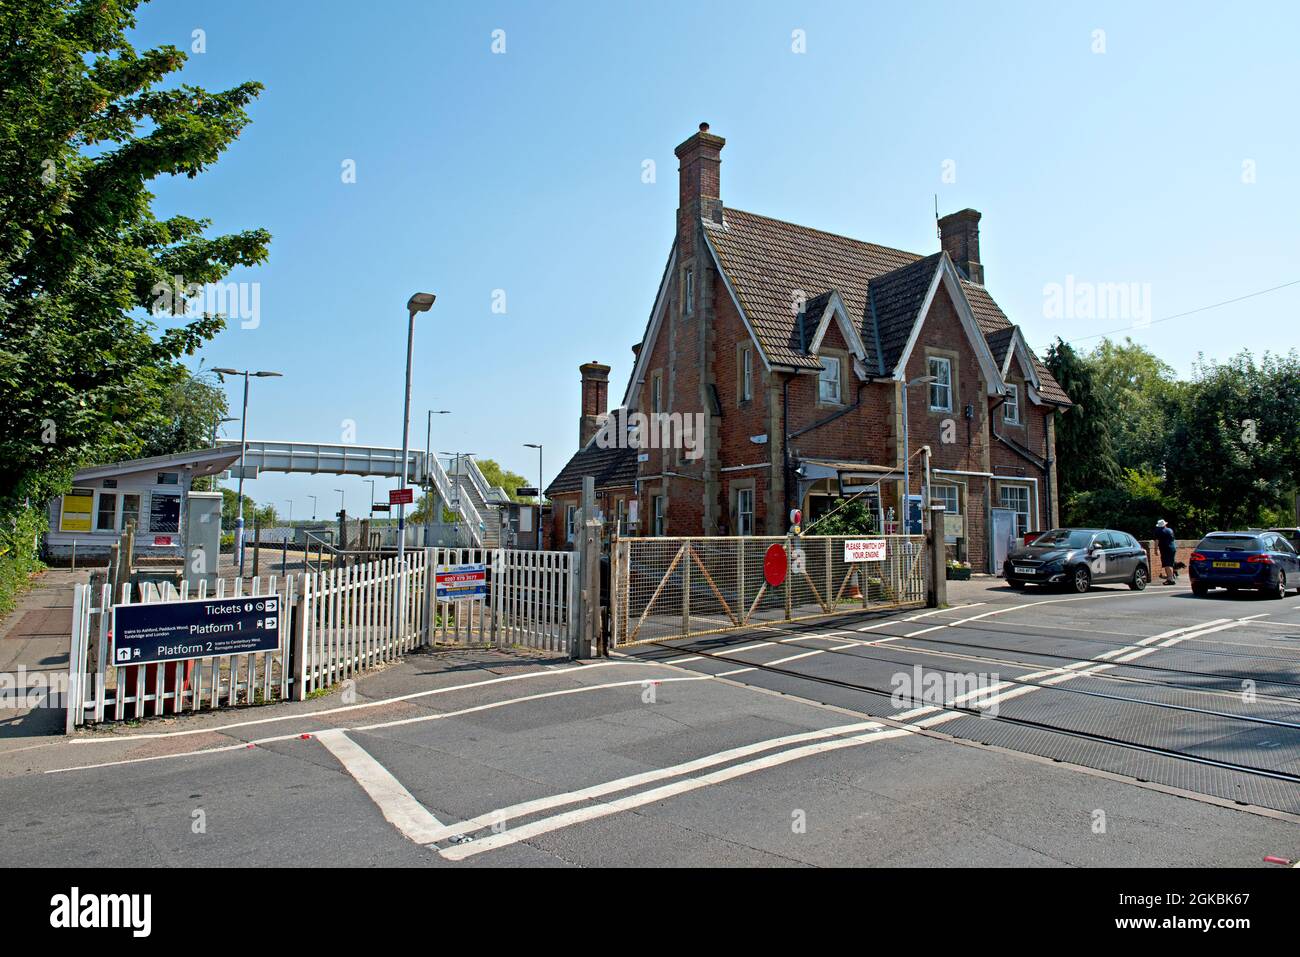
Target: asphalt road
(776,747)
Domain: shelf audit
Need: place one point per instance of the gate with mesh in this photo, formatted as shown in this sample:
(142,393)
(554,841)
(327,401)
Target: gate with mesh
(665,588)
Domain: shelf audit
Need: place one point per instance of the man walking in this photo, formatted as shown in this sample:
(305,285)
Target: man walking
(1168,547)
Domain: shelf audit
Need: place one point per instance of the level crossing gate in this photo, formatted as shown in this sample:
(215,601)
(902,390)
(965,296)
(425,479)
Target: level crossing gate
(664,588)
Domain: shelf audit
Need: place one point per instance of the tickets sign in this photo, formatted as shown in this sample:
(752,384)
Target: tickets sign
(865,550)
(202,628)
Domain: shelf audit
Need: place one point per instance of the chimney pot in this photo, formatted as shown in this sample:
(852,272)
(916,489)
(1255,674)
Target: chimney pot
(595,400)
(959,237)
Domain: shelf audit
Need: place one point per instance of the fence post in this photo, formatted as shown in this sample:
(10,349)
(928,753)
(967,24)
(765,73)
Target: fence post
(76,661)
(936,592)
(587,547)
(430,595)
(297,644)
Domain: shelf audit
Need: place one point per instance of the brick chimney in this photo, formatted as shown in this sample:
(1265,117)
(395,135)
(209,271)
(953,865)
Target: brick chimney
(700,176)
(959,235)
(595,400)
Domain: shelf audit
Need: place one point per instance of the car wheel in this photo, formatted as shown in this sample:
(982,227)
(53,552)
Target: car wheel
(1080,581)
(1280,590)
(1139,581)
(1200,591)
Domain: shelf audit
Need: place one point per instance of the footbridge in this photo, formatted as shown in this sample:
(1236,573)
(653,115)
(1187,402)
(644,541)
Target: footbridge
(465,492)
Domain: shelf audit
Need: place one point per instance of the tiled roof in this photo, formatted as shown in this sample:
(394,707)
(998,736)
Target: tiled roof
(612,468)
(896,298)
(772,265)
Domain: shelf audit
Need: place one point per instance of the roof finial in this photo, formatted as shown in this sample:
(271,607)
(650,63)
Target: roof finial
(704,127)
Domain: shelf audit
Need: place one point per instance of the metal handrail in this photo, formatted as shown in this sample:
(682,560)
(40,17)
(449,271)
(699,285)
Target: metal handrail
(462,503)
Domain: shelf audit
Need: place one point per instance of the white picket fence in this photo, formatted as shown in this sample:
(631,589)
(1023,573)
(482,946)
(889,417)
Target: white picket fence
(343,622)
(98,690)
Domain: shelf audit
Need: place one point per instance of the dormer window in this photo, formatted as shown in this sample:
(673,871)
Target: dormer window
(1011,407)
(828,381)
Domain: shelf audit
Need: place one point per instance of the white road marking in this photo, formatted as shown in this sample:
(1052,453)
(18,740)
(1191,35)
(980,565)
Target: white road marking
(378,703)
(459,852)
(526,808)
(245,745)
(398,805)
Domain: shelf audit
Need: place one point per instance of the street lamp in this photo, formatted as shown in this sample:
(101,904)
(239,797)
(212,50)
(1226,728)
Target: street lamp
(538,447)
(372,495)
(313,507)
(216,425)
(290,501)
(243,450)
(428,473)
(419,302)
(341,499)
(907,483)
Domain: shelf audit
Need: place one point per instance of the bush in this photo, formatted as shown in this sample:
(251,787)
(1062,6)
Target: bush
(1134,507)
(19,534)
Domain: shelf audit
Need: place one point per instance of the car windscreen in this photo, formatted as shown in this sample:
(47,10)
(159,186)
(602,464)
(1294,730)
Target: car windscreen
(1064,538)
(1230,543)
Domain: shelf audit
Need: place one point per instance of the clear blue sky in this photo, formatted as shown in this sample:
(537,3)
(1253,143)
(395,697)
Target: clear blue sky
(521,172)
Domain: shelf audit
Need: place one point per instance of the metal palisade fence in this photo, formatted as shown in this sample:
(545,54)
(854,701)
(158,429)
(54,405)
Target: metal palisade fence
(665,588)
(341,621)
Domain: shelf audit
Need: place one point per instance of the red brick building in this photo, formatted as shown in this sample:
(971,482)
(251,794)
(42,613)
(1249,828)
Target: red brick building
(785,350)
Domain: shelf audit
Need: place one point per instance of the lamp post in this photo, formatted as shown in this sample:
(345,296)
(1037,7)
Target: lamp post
(372,495)
(216,425)
(538,447)
(341,499)
(290,501)
(313,507)
(419,302)
(907,484)
(428,473)
(243,450)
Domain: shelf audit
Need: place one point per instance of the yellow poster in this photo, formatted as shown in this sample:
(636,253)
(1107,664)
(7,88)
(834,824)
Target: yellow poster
(74,516)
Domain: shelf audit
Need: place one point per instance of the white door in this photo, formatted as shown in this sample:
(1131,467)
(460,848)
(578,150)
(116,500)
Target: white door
(1002,535)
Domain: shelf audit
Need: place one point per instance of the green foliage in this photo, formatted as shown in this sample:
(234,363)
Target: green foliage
(1085,447)
(1139,390)
(854,518)
(1234,445)
(18,554)
(1133,506)
(192,408)
(496,475)
(84,128)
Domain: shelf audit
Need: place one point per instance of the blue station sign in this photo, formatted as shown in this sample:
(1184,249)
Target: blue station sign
(200,628)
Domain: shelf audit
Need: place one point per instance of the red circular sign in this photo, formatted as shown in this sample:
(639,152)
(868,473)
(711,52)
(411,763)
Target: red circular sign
(775,565)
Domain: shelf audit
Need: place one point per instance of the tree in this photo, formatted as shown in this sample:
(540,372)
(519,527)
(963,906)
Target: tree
(1085,449)
(1234,450)
(1138,388)
(192,408)
(84,127)
(497,476)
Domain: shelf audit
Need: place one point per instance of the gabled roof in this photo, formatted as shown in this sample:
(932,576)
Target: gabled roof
(770,266)
(611,468)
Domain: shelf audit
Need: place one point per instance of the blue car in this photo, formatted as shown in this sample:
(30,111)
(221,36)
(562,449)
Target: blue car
(1260,561)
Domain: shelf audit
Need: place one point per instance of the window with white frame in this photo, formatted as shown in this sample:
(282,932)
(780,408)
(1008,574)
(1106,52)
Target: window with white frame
(1011,407)
(828,382)
(658,515)
(570,513)
(657,392)
(744,511)
(941,387)
(945,495)
(746,374)
(1016,498)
